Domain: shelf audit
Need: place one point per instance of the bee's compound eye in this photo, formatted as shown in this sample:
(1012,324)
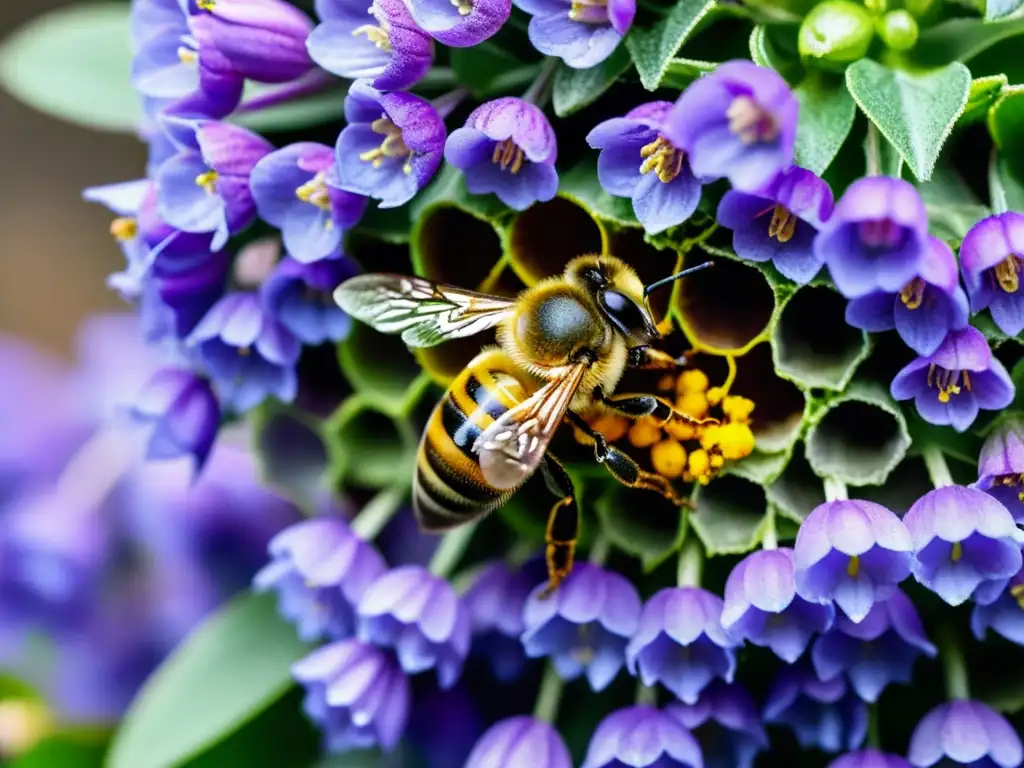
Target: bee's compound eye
(614,301)
(626,314)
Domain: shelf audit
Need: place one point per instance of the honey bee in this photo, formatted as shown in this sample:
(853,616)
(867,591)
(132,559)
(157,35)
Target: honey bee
(564,344)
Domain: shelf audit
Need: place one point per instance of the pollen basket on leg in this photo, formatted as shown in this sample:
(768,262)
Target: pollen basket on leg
(663,159)
(508,156)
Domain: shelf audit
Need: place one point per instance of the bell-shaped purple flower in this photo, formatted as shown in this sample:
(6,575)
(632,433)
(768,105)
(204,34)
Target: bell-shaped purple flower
(869,758)
(299,296)
(174,301)
(507,147)
(963,539)
(763,608)
(391,147)
(249,355)
(1004,612)
(375,39)
(172,251)
(320,571)
(952,384)
(460,24)
(1001,466)
(642,736)
(680,642)
(779,223)
(965,733)
(420,616)
(205,187)
(582,33)
(295,189)
(495,602)
(356,693)
(738,122)
(637,161)
(521,740)
(727,725)
(585,626)
(822,715)
(853,553)
(879,650)
(185,414)
(924,311)
(992,259)
(876,237)
(261,40)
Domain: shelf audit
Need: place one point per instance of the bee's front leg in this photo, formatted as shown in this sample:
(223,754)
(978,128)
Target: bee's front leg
(650,359)
(563,526)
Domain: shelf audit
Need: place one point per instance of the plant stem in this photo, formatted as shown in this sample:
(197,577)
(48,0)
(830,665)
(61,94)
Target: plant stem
(646,694)
(873,151)
(378,512)
(953,666)
(690,564)
(938,470)
(540,90)
(835,489)
(996,190)
(312,83)
(770,537)
(874,737)
(599,550)
(453,546)
(549,696)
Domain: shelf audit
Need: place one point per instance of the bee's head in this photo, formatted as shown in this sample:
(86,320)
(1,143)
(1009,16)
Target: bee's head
(618,292)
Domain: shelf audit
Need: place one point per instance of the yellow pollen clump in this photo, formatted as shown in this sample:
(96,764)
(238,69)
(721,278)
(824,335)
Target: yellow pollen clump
(124,229)
(734,441)
(668,458)
(694,404)
(661,157)
(1008,273)
(464,7)
(782,225)
(644,433)
(699,466)
(508,156)
(737,409)
(913,293)
(612,426)
(208,181)
(692,381)
(853,568)
(947,382)
(956,552)
(206,5)
(681,430)
(715,395)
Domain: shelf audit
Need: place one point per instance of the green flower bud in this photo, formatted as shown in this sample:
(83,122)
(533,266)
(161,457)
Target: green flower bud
(899,30)
(835,33)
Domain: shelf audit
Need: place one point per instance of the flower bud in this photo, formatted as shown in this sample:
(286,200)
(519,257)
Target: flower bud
(899,30)
(835,33)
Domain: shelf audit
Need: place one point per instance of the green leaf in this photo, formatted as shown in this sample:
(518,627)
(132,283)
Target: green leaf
(232,667)
(653,536)
(449,186)
(1006,124)
(578,88)
(1012,186)
(826,117)
(653,48)
(66,749)
(682,72)
(311,111)
(369,445)
(767,53)
(985,91)
(74,63)
(581,184)
(730,515)
(487,70)
(915,112)
(998,9)
(962,40)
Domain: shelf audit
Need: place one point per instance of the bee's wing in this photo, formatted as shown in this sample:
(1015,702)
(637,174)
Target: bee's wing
(513,446)
(425,313)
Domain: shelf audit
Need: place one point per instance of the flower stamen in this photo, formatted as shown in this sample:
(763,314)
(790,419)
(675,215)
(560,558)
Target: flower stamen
(589,11)
(208,181)
(465,7)
(124,229)
(1007,273)
(186,55)
(315,192)
(375,35)
(948,382)
(853,567)
(206,5)
(750,122)
(782,225)
(664,159)
(879,233)
(913,293)
(393,146)
(508,156)
(956,552)
(1012,481)
(1017,593)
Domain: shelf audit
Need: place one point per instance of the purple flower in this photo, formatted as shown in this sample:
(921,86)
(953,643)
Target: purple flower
(869,758)
(960,378)
(585,626)
(924,311)
(779,223)
(1004,613)
(299,296)
(205,187)
(420,616)
(680,642)
(1001,466)
(460,24)
(247,352)
(495,602)
(639,162)
(185,413)
(295,189)
(642,736)
(320,570)
(876,237)
(966,733)
(125,200)
(738,122)
(963,538)
(173,302)
(582,33)
(822,715)
(261,40)
(727,725)
(391,147)
(853,553)
(378,40)
(507,147)
(356,694)
(991,257)
(521,740)
(879,650)
(763,608)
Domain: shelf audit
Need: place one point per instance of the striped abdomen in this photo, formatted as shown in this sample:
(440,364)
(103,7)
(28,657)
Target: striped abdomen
(449,488)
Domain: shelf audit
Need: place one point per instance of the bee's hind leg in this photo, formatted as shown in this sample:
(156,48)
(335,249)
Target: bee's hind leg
(563,524)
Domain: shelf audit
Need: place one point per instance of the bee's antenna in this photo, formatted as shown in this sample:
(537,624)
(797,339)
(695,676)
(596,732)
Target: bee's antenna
(672,278)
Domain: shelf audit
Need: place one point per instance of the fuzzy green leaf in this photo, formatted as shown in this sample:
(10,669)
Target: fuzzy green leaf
(985,91)
(962,39)
(767,53)
(1006,124)
(487,70)
(682,72)
(73,63)
(231,668)
(826,117)
(915,112)
(581,185)
(653,48)
(652,536)
(577,88)
(1013,186)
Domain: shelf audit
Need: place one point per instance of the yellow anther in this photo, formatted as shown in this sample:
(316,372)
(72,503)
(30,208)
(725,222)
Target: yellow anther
(913,293)
(508,156)
(735,441)
(124,229)
(853,567)
(464,7)
(737,409)
(681,430)
(715,395)
(956,552)
(692,381)
(749,122)
(1008,272)
(1017,593)
(315,192)
(699,465)
(693,404)
(186,55)
(206,5)
(644,432)
(668,458)
(208,181)
(717,461)
(376,35)
(782,225)
(664,159)
(947,382)
(612,426)
(393,146)
(589,11)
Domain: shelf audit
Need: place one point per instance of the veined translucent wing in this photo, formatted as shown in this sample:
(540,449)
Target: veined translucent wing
(513,446)
(424,312)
